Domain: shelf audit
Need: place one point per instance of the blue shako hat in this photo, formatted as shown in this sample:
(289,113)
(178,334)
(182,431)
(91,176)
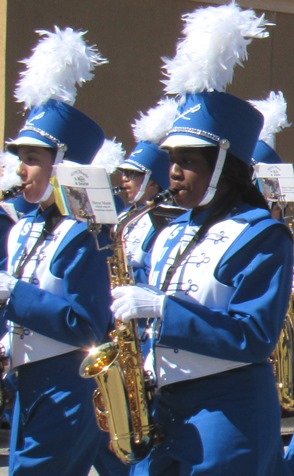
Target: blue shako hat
(207,118)
(148,158)
(48,89)
(60,126)
(274,111)
(199,75)
(264,153)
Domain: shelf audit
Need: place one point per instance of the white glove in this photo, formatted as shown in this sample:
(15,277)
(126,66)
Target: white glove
(7,283)
(5,342)
(141,301)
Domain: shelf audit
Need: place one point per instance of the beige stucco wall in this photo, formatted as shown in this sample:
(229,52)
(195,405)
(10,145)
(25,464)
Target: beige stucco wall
(134,35)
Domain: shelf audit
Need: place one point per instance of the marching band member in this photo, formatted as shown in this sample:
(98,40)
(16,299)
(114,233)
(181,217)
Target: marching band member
(55,294)
(10,212)
(274,111)
(219,275)
(144,174)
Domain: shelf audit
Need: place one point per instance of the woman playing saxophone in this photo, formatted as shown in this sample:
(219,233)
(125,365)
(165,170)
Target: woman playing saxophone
(218,285)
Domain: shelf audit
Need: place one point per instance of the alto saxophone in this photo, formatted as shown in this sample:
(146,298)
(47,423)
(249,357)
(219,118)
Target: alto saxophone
(124,394)
(282,357)
(283,361)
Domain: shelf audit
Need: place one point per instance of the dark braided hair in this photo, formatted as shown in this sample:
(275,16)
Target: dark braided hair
(238,177)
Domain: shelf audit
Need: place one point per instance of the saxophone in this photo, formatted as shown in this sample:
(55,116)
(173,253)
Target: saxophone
(13,192)
(125,391)
(283,361)
(282,357)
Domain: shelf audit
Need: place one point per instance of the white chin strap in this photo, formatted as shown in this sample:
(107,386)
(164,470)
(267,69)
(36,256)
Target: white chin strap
(48,192)
(212,187)
(143,187)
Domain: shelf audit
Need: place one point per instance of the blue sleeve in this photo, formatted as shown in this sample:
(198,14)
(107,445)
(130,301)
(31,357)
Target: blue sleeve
(261,275)
(82,317)
(141,274)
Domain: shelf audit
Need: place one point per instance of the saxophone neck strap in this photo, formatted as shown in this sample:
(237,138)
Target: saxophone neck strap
(51,222)
(178,260)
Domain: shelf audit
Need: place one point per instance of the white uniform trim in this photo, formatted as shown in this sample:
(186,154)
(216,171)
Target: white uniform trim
(194,279)
(134,239)
(27,345)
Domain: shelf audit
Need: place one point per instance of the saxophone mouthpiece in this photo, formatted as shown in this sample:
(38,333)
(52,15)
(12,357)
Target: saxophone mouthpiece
(163,196)
(118,190)
(11,193)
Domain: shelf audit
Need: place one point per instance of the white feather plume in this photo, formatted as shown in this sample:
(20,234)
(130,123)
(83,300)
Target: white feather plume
(274,111)
(155,124)
(60,61)
(9,164)
(110,156)
(215,41)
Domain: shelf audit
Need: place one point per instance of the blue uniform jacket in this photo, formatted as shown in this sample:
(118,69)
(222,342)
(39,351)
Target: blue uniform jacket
(259,268)
(82,317)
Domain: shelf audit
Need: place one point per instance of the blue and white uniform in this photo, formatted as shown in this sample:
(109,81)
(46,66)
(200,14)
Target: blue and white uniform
(217,400)
(58,307)
(20,207)
(139,236)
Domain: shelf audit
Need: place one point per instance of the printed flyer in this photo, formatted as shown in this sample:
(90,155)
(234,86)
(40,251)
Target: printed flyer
(85,192)
(276,181)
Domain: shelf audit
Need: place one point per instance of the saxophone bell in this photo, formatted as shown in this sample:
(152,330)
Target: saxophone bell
(96,364)
(130,442)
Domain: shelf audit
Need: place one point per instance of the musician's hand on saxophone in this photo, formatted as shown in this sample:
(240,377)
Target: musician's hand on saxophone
(141,301)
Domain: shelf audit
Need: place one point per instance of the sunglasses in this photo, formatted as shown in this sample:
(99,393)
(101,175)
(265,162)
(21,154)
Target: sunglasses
(131,174)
